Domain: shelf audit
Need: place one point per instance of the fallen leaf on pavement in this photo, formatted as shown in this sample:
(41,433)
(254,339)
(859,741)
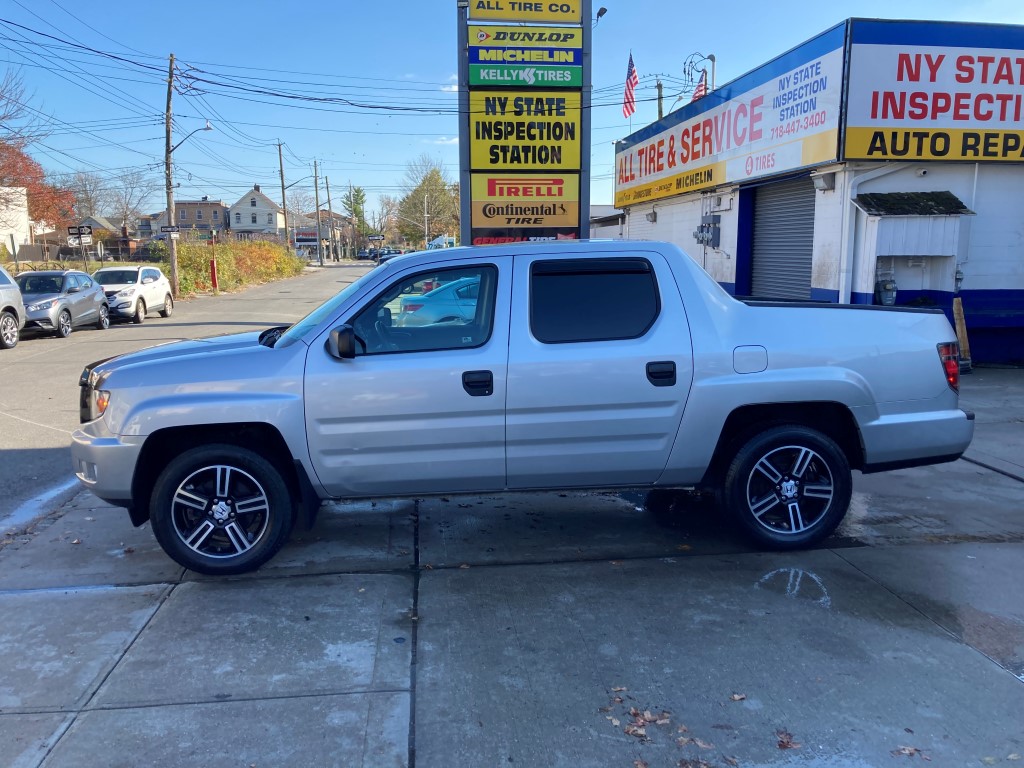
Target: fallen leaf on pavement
(703,744)
(909,752)
(786,740)
(738,696)
(639,764)
(77,541)
(731,761)
(464,565)
(634,730)
(619,689)
(1013,756)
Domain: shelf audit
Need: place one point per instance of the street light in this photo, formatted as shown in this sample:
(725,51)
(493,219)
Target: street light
(172,243)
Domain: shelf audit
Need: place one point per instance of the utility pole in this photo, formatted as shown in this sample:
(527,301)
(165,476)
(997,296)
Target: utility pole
(426,229)
(172,243)
(657,85)
(333,253)
(352,221)
(316,196)
(284,202)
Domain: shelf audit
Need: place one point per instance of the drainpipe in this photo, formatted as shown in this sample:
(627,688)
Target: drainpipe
(849,250)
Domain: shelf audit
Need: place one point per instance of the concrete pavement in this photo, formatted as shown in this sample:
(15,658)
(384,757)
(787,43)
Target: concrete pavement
(562,629)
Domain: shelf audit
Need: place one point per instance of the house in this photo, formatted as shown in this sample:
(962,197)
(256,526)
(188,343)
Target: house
(202,215)
(14,223)
(256,214)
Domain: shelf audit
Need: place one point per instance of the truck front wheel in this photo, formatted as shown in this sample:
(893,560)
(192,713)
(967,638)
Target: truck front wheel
(221,510)
(788,487)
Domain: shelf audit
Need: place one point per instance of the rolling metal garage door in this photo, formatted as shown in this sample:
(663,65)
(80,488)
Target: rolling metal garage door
(783,240)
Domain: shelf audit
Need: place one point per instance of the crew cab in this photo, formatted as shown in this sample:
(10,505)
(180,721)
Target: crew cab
(580,365)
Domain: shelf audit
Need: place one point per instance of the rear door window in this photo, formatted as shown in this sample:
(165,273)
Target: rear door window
(573,300)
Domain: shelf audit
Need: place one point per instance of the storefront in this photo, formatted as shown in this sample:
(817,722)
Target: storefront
(878,162)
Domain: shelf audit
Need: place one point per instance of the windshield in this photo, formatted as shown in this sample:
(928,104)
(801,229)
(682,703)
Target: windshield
(40,283)
(116,277)
(324,311)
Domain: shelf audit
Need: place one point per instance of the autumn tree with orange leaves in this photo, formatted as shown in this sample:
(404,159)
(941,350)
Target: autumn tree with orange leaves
(47,202)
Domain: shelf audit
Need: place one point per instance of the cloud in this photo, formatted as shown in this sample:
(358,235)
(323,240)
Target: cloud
(450,88)
(446,141)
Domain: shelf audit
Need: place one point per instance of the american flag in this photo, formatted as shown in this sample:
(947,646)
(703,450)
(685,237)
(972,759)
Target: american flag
(702,86)
(632,81)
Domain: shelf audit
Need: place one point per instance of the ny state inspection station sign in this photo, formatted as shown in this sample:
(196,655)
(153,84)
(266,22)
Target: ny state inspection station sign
(519,130)
(543,57)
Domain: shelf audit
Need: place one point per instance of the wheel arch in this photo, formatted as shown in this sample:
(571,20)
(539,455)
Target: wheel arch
(830,418)
(264,439)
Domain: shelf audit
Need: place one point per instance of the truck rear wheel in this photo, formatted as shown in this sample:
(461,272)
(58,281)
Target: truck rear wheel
(221,510)
(788,487)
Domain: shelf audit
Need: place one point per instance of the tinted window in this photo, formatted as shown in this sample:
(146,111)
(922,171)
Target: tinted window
(70,281)
(592,299)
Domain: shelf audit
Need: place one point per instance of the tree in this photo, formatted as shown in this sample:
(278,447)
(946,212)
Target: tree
(354,203)
(130,195)
(49,203)
(428,191)
(300,205)
(92,193)
(46,202)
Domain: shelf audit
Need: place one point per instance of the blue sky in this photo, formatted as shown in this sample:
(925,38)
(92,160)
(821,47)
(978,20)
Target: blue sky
(105,102)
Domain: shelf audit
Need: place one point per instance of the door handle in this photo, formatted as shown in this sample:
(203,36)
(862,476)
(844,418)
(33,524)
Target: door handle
(662,373)
(478,383)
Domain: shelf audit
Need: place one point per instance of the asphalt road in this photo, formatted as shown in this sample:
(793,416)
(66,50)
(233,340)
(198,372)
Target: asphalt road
(39,377)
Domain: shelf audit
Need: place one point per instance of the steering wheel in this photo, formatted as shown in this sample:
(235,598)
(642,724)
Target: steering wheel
(384,332)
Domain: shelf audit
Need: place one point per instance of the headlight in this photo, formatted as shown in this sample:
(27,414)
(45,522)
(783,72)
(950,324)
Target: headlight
(41,305)
(126,292)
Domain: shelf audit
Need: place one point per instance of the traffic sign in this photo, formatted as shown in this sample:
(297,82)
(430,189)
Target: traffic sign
(168,229)
(85,229)
(85,239)
(73,240)
(375,237)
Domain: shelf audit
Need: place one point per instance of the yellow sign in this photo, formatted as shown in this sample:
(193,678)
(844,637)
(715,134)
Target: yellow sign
(531,11)
(535,130)
(927,143)
(691,180)
(525,37)
(525,200)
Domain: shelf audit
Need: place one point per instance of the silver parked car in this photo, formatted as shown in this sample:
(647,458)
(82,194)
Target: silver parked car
(453,302)
(132,292)
(12,311)
(57,301)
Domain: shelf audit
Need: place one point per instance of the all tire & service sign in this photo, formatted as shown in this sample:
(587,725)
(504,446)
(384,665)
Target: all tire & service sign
(523,144)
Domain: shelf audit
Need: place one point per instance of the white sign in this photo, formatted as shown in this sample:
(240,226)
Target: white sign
(780,117)
(921,98)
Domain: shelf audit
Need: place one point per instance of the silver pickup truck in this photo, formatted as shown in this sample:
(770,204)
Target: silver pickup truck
(521,367)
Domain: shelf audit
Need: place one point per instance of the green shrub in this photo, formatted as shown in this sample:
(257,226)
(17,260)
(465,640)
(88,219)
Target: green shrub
(239,263)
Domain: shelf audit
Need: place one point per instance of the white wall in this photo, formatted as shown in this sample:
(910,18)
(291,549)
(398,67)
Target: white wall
(14,216)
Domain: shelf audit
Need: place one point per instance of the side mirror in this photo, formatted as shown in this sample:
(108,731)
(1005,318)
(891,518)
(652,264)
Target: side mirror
(341,342)
(147,280)
(73,290)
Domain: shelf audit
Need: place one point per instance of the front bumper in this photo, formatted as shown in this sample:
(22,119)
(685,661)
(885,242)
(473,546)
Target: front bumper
(120,307)
(104,463)
(41,319)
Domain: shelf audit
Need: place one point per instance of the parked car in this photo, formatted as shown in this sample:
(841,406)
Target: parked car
(12,311)
(57,301)
(362,254)
(132,292)
(453,302)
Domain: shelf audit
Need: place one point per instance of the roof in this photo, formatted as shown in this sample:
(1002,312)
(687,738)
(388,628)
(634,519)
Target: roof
(244,199)
(912,204)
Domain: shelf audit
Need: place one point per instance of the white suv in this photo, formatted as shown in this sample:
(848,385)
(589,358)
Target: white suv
(12,311)
(133,292)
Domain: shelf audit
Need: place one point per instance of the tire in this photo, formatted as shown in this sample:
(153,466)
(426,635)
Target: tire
(788,487)
(168,306)
(103,322)
(9,333)
(140,312)
(220,539)
(64,326)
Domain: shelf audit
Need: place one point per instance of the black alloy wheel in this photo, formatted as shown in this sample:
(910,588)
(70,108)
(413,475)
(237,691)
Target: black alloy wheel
(221,510)
(788,487)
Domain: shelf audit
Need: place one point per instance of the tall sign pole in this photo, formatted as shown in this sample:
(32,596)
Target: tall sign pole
(524,103)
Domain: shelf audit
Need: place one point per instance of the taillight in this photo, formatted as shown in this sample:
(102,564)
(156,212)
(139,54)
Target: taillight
(410,307)
(949,355)
(428,286)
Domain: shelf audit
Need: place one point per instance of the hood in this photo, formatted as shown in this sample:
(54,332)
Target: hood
(35,298)
(175,350)
(115,287)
